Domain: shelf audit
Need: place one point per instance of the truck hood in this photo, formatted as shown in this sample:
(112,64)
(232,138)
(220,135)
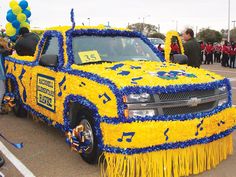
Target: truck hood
(149,73)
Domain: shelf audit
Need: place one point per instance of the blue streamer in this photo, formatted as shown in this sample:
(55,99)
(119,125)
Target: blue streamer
(16,145)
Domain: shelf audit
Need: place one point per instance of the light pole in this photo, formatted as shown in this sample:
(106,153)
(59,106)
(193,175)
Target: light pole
(234,21)
(228,20)
(176,24)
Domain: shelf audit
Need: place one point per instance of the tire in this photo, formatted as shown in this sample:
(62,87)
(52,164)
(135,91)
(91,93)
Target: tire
(2,161)
(92,155)
(18,109)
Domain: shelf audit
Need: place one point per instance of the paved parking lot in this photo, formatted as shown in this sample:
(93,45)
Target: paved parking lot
(45,153)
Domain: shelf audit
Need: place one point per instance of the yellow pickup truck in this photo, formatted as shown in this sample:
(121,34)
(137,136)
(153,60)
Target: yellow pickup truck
(115,97)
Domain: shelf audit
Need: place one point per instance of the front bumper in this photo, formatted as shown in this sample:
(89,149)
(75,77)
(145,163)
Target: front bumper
(148,136)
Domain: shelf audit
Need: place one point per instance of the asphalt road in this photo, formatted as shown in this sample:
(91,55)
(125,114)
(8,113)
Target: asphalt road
(45,153)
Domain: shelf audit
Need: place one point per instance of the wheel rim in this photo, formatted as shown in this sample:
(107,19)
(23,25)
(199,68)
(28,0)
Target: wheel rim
(88,132)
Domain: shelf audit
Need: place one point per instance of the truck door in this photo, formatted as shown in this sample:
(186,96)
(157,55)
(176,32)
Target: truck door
(44,80)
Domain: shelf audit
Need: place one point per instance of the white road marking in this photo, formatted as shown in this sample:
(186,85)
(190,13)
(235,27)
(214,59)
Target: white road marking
(17,163)
(1,175)
(223,71)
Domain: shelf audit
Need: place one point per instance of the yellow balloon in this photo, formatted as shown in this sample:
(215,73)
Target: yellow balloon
(8,25)
(25,24)
(28,8)
(21,17)
(16,9)
(13,3)
(11,31)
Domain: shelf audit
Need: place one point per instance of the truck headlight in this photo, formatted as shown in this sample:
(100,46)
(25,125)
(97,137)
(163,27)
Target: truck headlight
(223,89)
(222,101)
(138,98)
(141,113)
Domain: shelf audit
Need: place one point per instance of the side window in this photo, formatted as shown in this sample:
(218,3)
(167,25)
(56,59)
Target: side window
(51,46)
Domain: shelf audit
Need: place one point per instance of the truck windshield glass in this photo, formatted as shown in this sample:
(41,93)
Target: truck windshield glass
(95,48)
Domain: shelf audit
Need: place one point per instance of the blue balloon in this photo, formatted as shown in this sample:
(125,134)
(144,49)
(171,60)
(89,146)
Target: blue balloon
(9,12)
(23,4)
(11,17)
(27,13)
(16,24)
(13,38)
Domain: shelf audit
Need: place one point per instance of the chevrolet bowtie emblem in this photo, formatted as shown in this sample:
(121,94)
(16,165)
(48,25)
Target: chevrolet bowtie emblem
(194,101)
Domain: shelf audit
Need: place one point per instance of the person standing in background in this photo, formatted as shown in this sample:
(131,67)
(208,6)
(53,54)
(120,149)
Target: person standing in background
(218,50)
(232,55)
(192,48)
(225,54)
(202,50)
(209,53)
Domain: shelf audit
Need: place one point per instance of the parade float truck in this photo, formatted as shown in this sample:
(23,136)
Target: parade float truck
(122,105)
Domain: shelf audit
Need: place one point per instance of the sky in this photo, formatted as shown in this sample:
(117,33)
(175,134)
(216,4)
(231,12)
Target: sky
(169,14)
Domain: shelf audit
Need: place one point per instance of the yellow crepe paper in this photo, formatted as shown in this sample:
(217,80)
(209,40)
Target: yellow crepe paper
(151,133)
(148,72)
(168,40)
(168,163)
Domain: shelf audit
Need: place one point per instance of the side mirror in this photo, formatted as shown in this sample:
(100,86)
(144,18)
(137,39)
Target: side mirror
(49,60)
(179,59)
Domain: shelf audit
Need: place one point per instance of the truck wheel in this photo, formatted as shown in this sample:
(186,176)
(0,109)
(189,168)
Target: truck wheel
(92,154)
(18,109)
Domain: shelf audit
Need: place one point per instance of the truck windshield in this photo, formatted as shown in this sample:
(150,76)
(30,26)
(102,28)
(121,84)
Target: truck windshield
(96,48)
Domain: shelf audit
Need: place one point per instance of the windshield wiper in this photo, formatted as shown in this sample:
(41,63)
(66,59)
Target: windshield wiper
(96,62)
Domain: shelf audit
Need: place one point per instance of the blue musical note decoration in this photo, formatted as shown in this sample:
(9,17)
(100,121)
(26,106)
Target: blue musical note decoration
(82,84)
(135,67)
(136,79)
(107,98)
(6,68)
(14,66)
(20,78)
(165,133)
(221,123)
(61,84)
(128,136)
(199,127)
(115,67)
(124,73)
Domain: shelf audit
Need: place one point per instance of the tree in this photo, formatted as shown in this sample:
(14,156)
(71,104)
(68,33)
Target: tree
(157,35)
(209,35)
(144,28)
(233,35)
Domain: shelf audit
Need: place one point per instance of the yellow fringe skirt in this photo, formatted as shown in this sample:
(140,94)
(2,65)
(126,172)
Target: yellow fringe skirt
(168,163)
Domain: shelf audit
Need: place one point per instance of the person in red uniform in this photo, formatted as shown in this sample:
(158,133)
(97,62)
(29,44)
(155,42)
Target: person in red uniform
(202,45)
(217,50)
(225,52)
(232,55)
(175,48)
(209,53)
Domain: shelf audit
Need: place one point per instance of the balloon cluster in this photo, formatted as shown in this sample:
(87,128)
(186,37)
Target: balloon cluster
(17,17)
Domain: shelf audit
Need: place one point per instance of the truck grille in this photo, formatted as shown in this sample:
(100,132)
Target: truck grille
(186,109)
(182,102)
(186,95)
(204,107)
